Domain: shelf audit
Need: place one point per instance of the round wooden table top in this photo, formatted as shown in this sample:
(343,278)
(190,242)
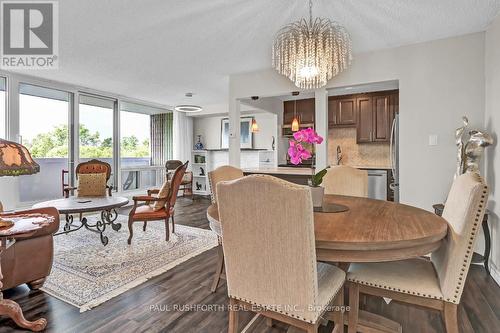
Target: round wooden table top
(372,231)
(73,205)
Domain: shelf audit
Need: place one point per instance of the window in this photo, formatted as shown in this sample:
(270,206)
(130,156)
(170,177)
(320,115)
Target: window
(3,114)
(43,126)
(135,147)
(96,116)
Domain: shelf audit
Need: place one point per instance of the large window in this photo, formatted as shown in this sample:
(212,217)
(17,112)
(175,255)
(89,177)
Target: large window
(96,129)
(43,126)
(135,147)
(3,115)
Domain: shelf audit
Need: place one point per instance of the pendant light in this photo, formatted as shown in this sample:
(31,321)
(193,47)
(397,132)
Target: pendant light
(255,126)
(295,121)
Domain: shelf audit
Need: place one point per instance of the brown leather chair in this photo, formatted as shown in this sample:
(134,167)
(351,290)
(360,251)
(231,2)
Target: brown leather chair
(146,212)
(187,180)
(29,259)
(92,166)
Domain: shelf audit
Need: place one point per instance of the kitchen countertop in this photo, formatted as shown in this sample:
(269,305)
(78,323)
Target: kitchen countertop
(281,171)
(371,167)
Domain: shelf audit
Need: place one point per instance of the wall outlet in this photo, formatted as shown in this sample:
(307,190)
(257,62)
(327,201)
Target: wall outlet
(433,140)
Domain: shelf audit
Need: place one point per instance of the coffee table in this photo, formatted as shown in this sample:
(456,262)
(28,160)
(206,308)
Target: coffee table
(25,225)
(73,205)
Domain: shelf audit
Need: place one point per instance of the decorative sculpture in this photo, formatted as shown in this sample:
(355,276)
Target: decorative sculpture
(475,148)
(469,154)
(459,133)
(198,145)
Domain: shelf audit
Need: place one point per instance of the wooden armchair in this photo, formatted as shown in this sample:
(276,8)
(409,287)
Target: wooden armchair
(187,180)
(92,166)
(147,213)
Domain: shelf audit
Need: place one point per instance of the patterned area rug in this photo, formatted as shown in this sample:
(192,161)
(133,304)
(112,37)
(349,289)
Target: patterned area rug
(86,273)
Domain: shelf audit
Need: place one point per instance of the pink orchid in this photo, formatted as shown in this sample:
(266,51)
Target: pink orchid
(307,135)
(296,151)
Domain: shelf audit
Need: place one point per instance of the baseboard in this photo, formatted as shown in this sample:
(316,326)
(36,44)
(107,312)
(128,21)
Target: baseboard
(495,273)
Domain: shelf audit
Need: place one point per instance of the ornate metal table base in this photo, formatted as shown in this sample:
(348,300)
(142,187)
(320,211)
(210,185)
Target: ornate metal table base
(108,217)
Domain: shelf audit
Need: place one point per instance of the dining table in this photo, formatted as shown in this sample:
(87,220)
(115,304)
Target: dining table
(369,231)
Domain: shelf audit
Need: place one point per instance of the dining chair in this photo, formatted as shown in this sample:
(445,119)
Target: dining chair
(92,167)
(270,256)
(346,180)
(165,198)
(436,283)
(187,180)
(222,173)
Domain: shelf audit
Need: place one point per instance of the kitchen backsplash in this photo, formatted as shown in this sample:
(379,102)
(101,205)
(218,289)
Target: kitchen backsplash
(364,154)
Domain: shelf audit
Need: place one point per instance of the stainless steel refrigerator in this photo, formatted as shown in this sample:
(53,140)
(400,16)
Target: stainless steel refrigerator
(394,155)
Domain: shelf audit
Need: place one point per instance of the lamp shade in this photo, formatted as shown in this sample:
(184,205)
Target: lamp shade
(255,126)
(15,160)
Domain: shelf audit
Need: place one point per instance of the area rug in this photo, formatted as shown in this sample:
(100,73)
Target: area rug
(85,273)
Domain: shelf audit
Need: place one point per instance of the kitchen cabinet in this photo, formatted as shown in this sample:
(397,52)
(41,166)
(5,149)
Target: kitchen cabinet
(364,128)
(341,112)
(375,114)
(305,112)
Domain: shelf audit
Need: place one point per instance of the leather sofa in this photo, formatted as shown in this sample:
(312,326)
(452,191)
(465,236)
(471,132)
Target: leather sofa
(29,259)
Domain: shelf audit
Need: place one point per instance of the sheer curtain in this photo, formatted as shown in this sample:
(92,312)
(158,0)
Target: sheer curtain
(183,136)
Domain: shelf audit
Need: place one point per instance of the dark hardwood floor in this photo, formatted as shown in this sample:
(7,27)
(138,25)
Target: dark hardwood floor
(149,307)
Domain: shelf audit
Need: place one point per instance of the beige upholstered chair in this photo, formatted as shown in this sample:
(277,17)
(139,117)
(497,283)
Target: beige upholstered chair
(346,180)
(436,283)
(270,256)
(223,173)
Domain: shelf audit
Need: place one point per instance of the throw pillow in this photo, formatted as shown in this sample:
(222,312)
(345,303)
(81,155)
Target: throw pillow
(162,194)
(91,185)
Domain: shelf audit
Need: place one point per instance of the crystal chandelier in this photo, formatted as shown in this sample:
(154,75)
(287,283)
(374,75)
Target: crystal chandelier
(311,52)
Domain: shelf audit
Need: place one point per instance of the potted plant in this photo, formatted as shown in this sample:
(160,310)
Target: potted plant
(299,152)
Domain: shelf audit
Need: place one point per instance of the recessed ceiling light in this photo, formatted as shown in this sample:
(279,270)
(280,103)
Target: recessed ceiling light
(188,108)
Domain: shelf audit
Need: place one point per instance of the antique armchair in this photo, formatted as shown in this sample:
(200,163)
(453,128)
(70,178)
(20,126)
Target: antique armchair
(187,180)
(436,283)
(166,203)
(223,173)
(29,259)
(90,167)
(346,180)
(275,276)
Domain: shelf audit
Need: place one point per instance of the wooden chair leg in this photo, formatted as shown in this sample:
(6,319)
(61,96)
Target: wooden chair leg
(339,315)
(233,317)
(269,322)
(312,328)
(130,230)
(450,317)
(167,231)
(219,268)
(144,226)
(354,307)
(173,225)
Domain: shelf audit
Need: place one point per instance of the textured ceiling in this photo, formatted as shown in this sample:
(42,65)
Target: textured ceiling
(157,50)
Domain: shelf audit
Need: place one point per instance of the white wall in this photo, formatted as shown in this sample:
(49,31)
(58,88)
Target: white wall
(439,82)
(210,130)
(492,124)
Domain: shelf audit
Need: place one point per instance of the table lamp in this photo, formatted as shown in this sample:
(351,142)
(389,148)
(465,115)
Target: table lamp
(15,160)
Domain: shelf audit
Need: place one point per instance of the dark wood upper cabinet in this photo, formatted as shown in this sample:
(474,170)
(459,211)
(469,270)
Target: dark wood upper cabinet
(381,118)
(341,112)
(364,128)
(305,109)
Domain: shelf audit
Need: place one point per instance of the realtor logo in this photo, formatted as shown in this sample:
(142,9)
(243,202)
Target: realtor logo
(29,35)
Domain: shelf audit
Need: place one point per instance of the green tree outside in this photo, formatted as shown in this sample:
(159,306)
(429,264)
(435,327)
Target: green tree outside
(54,144)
